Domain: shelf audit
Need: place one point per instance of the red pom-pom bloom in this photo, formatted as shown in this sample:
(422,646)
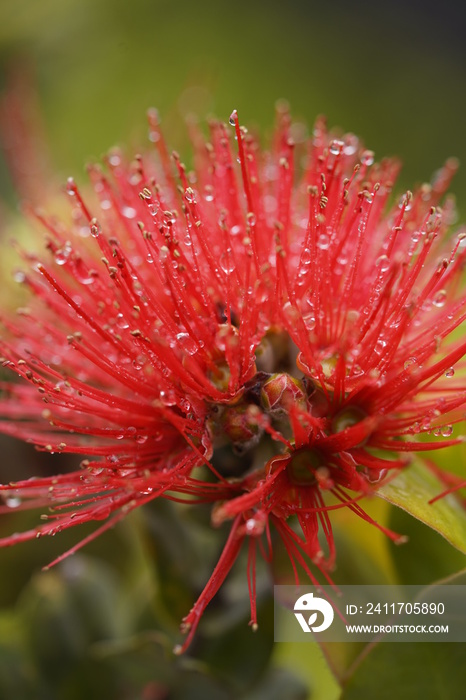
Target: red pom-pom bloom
(285,309)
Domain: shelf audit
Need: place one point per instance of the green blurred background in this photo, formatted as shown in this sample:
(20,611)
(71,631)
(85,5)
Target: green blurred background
(395,74)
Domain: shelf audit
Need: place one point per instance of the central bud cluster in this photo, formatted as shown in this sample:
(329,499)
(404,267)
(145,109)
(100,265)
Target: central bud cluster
(264,419)
(278,415)
(266,400)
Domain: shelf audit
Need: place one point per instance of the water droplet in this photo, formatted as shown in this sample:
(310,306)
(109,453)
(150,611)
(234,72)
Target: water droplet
(129,212)
(351,145)
(291,312)
(251,218)
(185,341)
(336,147)
(12,502)
(185,405)
(235,230)
(62,255)
(383,263)
(139,362)
(440,298)
(168,398)
(323,242)
(114,159)
(233,117)
(82,274)
(406,201)
(310,321)
(380,346)
(19,277)
(149,258)
(121,321)
(450,372)
(141,439)
(306,256)
(226,262)
(71,186)
(410,362)
(367,158)
(447,430)
(190,195)
(163,253)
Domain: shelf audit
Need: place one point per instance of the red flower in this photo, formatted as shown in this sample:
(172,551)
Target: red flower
(299,323)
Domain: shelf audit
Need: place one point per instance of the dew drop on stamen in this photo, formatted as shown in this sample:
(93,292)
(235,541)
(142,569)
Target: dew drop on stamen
(168,398)
(12,502)
(61,256)
(121,321)
(129,212)
(306,256)
(139,362)
(309,321)
(410,362)
(232,118)
(367,158)
(336,147)
(351,145)
(185,341)
(380,346)
(406,202)
(440,298)
(226,263)
(450,372)
(383,263)
(189,194)
(323,242)
(291,312)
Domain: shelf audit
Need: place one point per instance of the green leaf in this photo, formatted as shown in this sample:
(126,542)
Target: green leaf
(413,488)
(406,671)
(426,556)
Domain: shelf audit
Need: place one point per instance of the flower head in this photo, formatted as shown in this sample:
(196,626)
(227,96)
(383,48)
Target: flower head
(295,318)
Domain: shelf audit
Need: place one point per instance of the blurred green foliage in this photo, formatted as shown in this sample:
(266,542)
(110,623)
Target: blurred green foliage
(393,73)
